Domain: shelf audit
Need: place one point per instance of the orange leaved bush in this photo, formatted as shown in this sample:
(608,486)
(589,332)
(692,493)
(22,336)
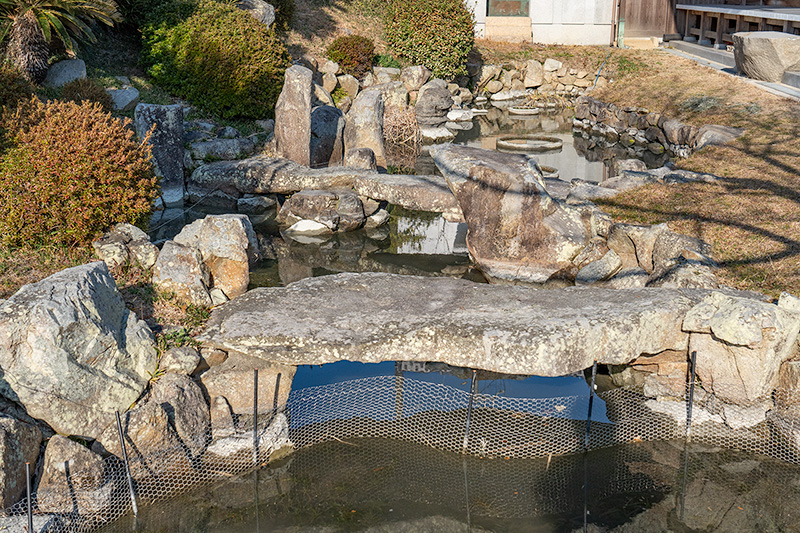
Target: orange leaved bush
(71,172)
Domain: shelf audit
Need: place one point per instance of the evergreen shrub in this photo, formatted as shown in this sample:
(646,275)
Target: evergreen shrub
(353,53)
(436,33)
(71,172)
(216,56)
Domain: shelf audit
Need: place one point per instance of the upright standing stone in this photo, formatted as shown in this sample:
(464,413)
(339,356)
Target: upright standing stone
(293,116)
(327,136)
(364,127)
(167,146)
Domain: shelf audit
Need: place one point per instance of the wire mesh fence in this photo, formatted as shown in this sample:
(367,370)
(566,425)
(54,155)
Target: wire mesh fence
(436,416)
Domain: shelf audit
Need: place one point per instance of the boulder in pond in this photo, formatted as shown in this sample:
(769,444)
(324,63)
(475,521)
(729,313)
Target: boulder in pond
(516,230)
(327,136)
(70,351)
(73,479)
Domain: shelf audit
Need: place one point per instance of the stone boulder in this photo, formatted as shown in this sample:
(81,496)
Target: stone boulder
(503,328)
(534,74)
(227,181)
(180,360)
(166,141)
(714,135)
(260,10)
(126,243)
(364,128)
(415,77)
(233,380)
(174,415)
(228,246)
(433,102)
(70,351)
(180,270)
(363,158)
(72,479)
(293,115)
(222,149)
(327,136)
(124,99)
(417,193)
(516,230)
(63,72)
(766,55)
(19,444)
(740,345)
(337,210)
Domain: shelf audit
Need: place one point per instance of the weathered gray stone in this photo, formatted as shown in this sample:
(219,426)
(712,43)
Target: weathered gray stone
(260,10)
(364,127)
(330,67)
(329,82)
(174,414)
(684,274)
(415,77)
(766,55)
(265,175)
(741,345)
(418,193)
(111,249)
(433,102)
(166,140)
(534,74)
(600,270)
(180,270)
(72,477)
(125,99)
(319,206)
(321,96)
(714,134)
(363,158)
(436,135)
(293,116)
(670,248)
(636,165)
(516,230)
(512,329)
(255,205)
(233,379)
(327,136)
(488,73)
(63,72)
(228,246)
(19,444)
(124,243)
(180,360)
(349,85)
(494,86)
(639,240)
(70,351)
(307,228)
(224,149)
(395,95)
(552,65)
(628,278)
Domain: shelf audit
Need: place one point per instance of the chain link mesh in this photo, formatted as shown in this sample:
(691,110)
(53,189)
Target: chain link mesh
(515,432)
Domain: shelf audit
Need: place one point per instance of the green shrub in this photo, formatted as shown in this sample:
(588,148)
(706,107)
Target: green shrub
(436,33)
(386,60)
(354,54)
(218,57)
(72,172)
(86,90)
(13,86)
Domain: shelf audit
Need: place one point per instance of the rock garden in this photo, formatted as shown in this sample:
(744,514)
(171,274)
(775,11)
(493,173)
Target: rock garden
(138,206)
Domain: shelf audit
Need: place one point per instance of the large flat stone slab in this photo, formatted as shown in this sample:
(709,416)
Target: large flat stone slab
(418,193)
(766,55)
(511,329)
(265,175)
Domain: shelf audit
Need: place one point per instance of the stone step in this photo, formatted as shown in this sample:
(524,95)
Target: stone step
(792,79)
(706,52)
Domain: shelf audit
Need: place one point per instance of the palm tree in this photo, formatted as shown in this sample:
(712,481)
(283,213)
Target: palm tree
(32,24)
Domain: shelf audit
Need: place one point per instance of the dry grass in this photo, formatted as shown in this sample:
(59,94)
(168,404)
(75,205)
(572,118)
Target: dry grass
(752,217)
(29,265)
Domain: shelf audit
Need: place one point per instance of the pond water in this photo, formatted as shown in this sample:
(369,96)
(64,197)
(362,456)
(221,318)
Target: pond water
(380,485)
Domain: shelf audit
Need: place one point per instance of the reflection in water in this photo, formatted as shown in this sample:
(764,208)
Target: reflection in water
(388,485)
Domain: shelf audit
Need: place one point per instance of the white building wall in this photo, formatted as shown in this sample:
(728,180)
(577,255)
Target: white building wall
(571,21)
(560,21)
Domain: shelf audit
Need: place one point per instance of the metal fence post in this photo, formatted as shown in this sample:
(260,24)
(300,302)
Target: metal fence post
(689,406)
(127,466)
(277,391)
(255,416)
(30,507)
(472,389)
(591,404)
